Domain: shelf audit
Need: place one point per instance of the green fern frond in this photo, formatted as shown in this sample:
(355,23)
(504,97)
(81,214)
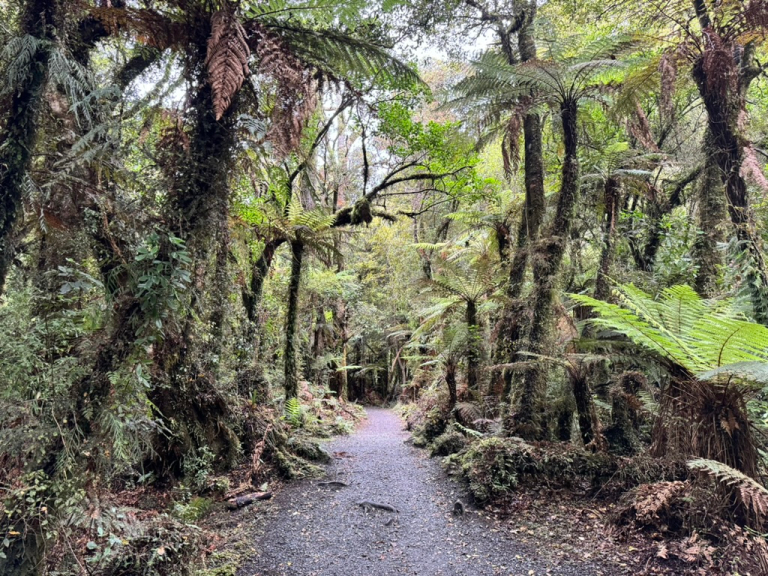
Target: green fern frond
(696,334)
(292,412)
(749,371)
(344,55)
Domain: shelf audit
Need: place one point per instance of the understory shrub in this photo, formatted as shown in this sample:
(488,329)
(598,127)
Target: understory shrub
(449,442)
(495,466)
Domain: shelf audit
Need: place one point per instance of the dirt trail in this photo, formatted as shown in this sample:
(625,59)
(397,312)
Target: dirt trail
(322,531)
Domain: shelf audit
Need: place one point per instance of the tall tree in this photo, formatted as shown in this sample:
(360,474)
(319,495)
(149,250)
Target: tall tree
(26,75)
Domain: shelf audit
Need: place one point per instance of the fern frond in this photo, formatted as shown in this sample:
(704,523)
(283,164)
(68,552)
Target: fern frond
(468,411)
(151,27)
(17,58)
(227,59)
(293,413)
(696,334)
(753,495)
(343,55)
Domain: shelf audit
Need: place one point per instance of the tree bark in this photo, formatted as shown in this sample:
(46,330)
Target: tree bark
(473,356)
(17,141)
(527,420)
(612,201)
(723,82)
(511,324)
(291,322)
(252,298)
(711,216)
(589,423)
(450,381)
(647,259)
(187,397)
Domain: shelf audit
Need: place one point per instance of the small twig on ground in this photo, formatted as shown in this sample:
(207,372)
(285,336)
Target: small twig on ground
(333,484)
(241,501)
(366,504)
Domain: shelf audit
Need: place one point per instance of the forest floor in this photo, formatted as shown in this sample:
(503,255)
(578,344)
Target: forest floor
(313,529)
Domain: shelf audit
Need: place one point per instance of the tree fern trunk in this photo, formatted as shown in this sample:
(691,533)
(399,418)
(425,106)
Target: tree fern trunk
(527,420)
(612,200)
(712,215)
(450,381)
(197,208)
(647,258)
(722,84)
(512,322)
(252,298)
(589,423)
(17,141)
(291,323)
(473,354)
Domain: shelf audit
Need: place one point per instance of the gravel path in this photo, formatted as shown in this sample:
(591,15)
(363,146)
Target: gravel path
(322,531)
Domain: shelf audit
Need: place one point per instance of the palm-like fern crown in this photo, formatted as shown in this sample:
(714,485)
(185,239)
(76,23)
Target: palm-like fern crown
(703,337)
(466,270)
(498,94)
(565,71)
(298,45)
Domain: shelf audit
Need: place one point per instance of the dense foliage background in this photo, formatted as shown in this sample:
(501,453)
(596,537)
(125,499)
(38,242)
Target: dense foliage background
(539,226)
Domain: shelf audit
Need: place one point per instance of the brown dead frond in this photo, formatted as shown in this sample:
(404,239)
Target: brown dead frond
(150,27)
(297,89)
(654,506)
(668,70)
(227,59)
(706,420)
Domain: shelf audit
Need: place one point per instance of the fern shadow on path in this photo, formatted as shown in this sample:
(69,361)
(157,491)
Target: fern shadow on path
(322,530)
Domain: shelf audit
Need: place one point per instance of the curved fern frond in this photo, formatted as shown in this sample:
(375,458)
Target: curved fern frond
(343,55)
(698,335)
(751,493)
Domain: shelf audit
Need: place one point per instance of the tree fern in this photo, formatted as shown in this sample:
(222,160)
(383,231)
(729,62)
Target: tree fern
(753,495)
(682,328)
(344,55)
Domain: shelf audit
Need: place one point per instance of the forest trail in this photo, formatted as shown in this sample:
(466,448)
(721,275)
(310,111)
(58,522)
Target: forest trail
(323,531)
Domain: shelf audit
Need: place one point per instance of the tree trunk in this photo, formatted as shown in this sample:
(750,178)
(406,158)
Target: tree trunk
(589,423)
(222,284)
(612,191)
(252,298)
(712,215)
(511,324)
(291,322)
(647,259)
(527,420)
(17,141)
(722,84)
(450,381)
(187,397)
(473,356)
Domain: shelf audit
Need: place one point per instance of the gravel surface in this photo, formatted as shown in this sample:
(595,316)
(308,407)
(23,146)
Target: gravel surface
(321,530)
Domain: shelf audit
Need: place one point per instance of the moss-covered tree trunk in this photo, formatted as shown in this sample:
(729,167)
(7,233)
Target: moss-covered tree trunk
(473,346)
(589,423)
(612,201)
(450,381)
(711,216)
(512,322)
(341,324)
(526,419)
(187,395)
(291,321)
(723,80)
(17,140)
